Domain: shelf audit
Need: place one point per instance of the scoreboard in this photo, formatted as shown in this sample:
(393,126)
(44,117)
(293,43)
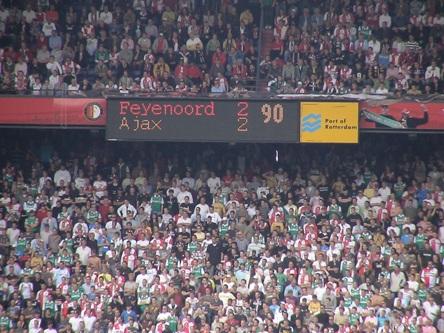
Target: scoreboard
(211,120)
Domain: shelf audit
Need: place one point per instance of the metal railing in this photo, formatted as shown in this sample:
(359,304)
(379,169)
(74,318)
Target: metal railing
(231,94)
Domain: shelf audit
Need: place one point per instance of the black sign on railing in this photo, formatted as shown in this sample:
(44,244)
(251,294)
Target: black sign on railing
(196,120)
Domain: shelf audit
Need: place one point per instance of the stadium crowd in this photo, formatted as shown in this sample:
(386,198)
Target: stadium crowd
(119,237)
(211,46)
(373,47)
(151,46)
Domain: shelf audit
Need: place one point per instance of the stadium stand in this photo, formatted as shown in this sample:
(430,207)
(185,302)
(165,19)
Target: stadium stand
(336,47)
(201,46)
(119,237)
(155,46)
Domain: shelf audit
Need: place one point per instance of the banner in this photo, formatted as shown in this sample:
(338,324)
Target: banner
(329,122)
(377,113)
(48,111)
(398,115)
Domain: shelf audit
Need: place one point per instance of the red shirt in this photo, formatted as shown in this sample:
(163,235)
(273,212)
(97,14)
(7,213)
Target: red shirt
(52,16)
(219,56)
(41,41)
(194,72)
(277,45)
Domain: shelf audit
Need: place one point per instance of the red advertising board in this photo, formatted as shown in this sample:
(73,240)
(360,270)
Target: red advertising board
(48,111)
(401,115)
(382,114)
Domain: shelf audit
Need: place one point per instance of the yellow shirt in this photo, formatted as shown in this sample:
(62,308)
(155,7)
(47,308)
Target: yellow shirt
(340,319)
(246,17)
(219,208)
(168,17)
(369,192)
(314,307)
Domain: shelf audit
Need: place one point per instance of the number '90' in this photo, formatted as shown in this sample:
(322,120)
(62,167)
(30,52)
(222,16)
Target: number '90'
(273,113)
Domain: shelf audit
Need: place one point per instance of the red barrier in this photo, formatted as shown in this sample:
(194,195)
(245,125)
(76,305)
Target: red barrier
(387,114)
(48,111)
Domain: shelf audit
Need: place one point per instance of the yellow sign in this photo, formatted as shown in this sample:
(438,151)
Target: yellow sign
(329,122)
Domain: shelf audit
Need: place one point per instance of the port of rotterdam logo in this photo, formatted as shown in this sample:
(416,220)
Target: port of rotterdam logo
(311,122)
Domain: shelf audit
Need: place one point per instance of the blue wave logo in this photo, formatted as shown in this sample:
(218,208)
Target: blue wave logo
(311,122)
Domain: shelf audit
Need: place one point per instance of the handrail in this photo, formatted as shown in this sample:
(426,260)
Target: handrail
(231,94)
(259,47)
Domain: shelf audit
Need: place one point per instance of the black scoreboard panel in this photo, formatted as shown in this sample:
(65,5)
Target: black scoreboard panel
(202,120)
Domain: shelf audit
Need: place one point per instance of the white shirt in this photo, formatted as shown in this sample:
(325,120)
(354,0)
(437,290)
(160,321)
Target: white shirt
(99,184)
(84,253)
(26,289)
(75,323)
(204,210)
(32,323)
(50,330)
(215,217)
(123,210)
(431,310)
(89,322)
(80,182)
(213,184)
(62,175)
(360,201)
(29,15)
(375,45)
(106,17)
(181,196)
(141,245)
(4,14)
(51,66)
(47,28)
(385,18)
(432,72)
(384,192)
(13,235)
(147,277)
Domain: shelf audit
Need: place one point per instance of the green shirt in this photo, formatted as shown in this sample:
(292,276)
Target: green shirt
(293,229)
(170,262)
(66,259)
(398,188)
(156,203)
(366,31)
(21,245)
(281,279)
(363,301)
(422,295)
(172,321)
(69,244)
(400,219)
(413,328)
(367,176)
(420,241)
(354,318)
(354,293)
(52,258)
(92,216)
(51,306)
(5,322)
(223,229)
(198,271)
(192,247)
(76,294)
(30,220)
(334,209)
